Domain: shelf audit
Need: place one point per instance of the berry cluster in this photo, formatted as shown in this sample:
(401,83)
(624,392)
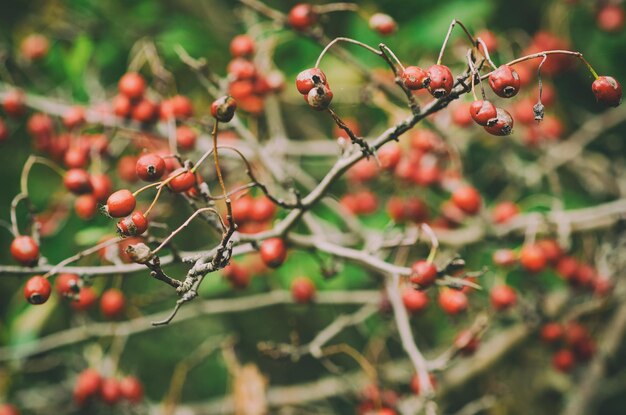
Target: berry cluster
(91,386)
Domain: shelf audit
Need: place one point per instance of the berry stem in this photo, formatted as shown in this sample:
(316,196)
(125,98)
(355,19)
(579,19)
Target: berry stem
(347,40)
(445,41)
(485,52)
(30,162)
(16,200)
(384,49)
(551,52)
(434,242)
(146,187)
(185,224)
(367,367)
(80,255)
(220,179)
(355,140)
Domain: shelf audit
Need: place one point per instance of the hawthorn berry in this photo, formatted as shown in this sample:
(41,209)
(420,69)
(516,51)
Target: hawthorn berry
(504,257)
(112,303)
(424,273)
(182,108)
(144,111)
(240,69)
(452,301)
(37,290)
(150,167)
(223,108)
(504,81)
(121,106)
(415,383)
(237,275)
(77,181)
(483,112)
(503,125)
(563,360)
(182,179)
(489,39)
(415,78)
(67,285)
(87,385)
(319,98)
(466,342)
(242,46)
(40,124)
(133,225)
(110,391)
(131,389)
(551,332)
(467,199)
(4,131)
(607,90)
(610,18)
(302,290)
(302,16)
(86,206)
(551,250)
(533,258)
(74,117)
(121,203)
(389,156)
(382,23)
(414,301)
(132,85)
(86,298)
(76,157)
(101,186)
(262,209)
(14,103)
(503,297)
(25,250)
(461,116)
(8,409)
(34,46)
(567,267)
(309,78)
(273,252)
(441,80)
(504,211)
(185,138)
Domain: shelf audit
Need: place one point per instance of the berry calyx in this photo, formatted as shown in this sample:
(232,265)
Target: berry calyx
(223,108)
(414,301)
(483,112)
(415,78)
(183,180)
(273,252)
(309,78)
(77,181)
(37,290)
(121,203)
(503,125)
(133,225)
(441,80)
(504,81)
(319,98)
(302,290)
(503,297)
(607,90)
(302,16)
(150,167)
(25,250)
(467,199)
(112,303)
(424,273)
(132,85)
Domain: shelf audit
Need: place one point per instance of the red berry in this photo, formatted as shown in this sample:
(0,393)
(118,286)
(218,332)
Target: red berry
(467,199)
(273,252)
(223,108)
(483,112)
(563,360)
(415,78)
(67,285)
(131,389)
(14,103)
(102,186)
(414,301)
(309,78)
(461,116)
(466,342)
(132,85)
(34,46)
(441,80)
(551,250)
(567,267)
(319,98)
(504,257)
(110,391)
(150,167)
(415,383)
(237,275)
(551,332)
(382,23)
(144,111)
(424,273)
(504,81)
(363,171)
(8,409)
(182,180)
(503,297)
(533,258)
(122,106)
(112,303)
(262,209)
(610,18)
(302,290)
(242,46)
(452,301)
(133,225)
(40,125)
(185,138)
(240,69)
(25,250)
(86,299)
(302,16)
(504,211)
(77,181)
(503,125)
(74,117)
(489,39)
(76,157)
(242,209)
(87,385)
(181,107)
(37,290)
(389,156)
(121,203)
(607,91)
(86,206)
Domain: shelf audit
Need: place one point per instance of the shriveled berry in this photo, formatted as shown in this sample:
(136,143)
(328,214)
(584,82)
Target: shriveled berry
(415,78)
(37,290)
(503,125)
(121,203)
(607,90)
(309,78)
(483,112)
(424,273)
(441,80)
(133,225)
(223,108)
(25,250)
(150,167)
(273,252)
(319,98)
(504,81)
